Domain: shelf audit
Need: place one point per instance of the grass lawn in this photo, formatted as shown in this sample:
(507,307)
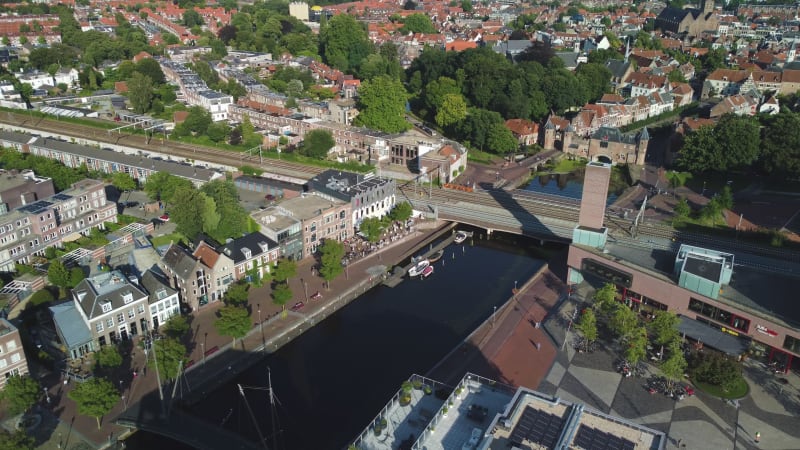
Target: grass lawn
(738,391)
(478,156)
(158,241)
(565,165)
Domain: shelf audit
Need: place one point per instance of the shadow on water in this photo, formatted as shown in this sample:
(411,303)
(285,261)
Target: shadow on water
(331,382)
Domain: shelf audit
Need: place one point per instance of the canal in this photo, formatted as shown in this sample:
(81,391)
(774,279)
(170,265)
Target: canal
(330,382)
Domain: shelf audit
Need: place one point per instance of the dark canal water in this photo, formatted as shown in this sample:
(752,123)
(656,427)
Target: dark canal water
(337,376)
(566,185)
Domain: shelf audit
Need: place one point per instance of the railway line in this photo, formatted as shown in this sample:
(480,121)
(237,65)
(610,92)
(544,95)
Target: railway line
(528,212)
(155,144)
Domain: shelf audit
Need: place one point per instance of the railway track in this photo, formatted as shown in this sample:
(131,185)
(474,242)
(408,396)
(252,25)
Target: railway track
(154,144)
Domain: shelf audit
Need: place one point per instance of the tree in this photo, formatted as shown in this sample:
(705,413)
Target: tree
(781,145)
(41,297)
(382,105)
(605,298)
(331,260)
(623,321)
(401,211)
(149,67)
(123,182)
(739,139)
(188,210)
(317,143)
(140,92)
(17,440)
(58,275)
(20,394)
(595,77)
(452,110)
(108,357)
(233,322)
(682,210)
(236,295)
(285,269)
(588,326)
(664,328)
(170,353)
(675,365)
(76,275)
(281,294)
(233,218)
(500,140)
(373,228)
(636,349)
(192,18)
(176,327)
(344,43)
(95,397)
(418,23)
(163,185)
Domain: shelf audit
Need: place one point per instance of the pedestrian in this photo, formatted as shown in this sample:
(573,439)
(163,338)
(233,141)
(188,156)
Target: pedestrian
(680,442)
(758,437)
(134,374)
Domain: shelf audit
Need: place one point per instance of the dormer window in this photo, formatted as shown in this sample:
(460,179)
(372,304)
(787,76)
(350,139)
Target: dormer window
(247,253)
(264,247)
(127,298)
(106,307)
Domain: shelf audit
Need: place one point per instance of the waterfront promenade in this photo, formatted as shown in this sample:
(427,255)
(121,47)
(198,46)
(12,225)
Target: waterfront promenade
(210,365)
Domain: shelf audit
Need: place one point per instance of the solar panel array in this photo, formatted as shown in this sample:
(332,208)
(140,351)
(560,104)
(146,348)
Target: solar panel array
(537,426)
(61,197)
(36,207)
(589,438)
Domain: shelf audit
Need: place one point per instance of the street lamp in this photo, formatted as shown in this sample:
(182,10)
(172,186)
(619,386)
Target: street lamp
(203,349)
(125,402)
(494,311)
(47,395)
(305,288)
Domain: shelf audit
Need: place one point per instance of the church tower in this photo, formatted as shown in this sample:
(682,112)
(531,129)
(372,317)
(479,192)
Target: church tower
(641,147)
(707,6)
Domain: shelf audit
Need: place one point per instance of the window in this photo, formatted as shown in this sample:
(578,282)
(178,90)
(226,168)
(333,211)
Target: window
(140,309)
(11,346)
(131,313)
(160,307)
(127,298)
(110,323)
(3,363)
(120,318)
(154,309)
(106,307)
(174,301)
(99,327)
(15,358)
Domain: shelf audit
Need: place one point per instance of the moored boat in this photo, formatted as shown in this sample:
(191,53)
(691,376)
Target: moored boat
(436,256)
(426,272)
(417,268)
(462,236)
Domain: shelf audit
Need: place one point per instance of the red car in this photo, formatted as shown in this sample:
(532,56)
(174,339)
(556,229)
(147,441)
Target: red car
(298,306)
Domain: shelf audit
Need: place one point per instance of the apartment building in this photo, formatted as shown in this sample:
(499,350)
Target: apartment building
(320,218)
(252,255)
(12,356)
(162,299)
(279,226)
(27,231)
(20,188)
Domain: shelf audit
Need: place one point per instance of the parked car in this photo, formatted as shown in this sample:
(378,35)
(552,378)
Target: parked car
(164,218)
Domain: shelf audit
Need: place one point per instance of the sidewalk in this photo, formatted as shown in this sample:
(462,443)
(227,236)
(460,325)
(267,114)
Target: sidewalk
(209,364)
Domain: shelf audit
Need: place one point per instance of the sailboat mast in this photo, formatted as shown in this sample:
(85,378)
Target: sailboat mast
(273,410)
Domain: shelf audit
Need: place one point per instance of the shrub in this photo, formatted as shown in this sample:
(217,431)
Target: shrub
(41,297)
(417,384)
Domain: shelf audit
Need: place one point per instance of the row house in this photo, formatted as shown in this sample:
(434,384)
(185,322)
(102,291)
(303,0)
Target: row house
(200,277)
(139,167)
(640,83)
(252,255)
(724,82)
(30,229)
(738,104)
(163,301)
(367,195)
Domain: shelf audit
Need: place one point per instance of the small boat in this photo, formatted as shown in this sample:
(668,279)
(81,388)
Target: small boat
(426,272)
(436,256)
(418,268)
(462,236)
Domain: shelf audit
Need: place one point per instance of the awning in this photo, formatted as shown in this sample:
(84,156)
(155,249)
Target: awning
(71,237)
(713,337)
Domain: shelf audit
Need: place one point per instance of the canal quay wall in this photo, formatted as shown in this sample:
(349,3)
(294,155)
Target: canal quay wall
(223,365)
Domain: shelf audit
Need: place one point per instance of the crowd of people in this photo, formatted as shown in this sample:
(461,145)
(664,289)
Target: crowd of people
(359,247)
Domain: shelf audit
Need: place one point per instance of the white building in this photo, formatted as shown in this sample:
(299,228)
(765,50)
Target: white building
(39,79)
(216,103)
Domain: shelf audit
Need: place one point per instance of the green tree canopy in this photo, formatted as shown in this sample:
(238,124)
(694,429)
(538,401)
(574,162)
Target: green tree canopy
(344,43)
(176,327)
(675,365)
(382,103)
(236,295)
(58,274)
(169,353)
(664,327)
(452,110)
(95,397)
(149,67)
(636,347)
(732,143)
(20,394)
(187,211)
(587,325)
(140,92)
(623,321)
(163,185)
(372,227)
(108,357)
(233,322)
(331,260)
(401,211)
(781,145)
(285,269)
(17,440)
(281,294)
(317,143)
(123,181)
(418,23)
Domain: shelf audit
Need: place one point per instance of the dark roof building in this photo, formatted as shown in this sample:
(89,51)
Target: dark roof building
(369,196)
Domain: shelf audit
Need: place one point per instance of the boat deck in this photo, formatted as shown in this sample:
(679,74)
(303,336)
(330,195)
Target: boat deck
(401,272)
